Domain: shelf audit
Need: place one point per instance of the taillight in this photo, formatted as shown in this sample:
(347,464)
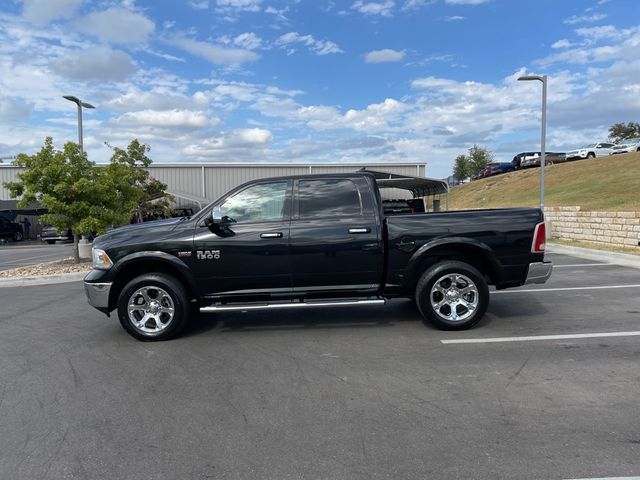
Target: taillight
(539,237)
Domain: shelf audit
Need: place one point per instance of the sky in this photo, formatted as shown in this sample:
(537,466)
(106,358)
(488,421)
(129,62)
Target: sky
(278,81)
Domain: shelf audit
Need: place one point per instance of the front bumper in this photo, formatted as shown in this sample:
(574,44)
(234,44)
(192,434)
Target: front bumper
(98,295)
(539,272)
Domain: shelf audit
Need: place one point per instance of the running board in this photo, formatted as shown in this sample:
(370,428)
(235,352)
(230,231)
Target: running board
(272,306)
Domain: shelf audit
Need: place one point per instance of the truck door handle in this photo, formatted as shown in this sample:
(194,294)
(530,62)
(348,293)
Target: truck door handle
(360,230)
(271,235)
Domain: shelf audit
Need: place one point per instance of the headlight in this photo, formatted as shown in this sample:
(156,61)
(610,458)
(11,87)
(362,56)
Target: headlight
(100,259)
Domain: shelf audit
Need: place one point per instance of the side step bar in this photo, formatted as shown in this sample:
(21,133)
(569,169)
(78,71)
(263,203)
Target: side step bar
(272,306)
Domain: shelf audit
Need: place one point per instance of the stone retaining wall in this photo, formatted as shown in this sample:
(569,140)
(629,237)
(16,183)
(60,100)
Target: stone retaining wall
(620,229)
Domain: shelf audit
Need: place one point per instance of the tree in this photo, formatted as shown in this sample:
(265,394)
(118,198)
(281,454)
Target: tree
(138,193)
(461,167)
(620,131)
(63,182)
(479,157)
(81,196)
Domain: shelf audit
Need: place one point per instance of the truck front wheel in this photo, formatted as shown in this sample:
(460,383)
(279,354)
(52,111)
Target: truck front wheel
(452,295)
(153,307)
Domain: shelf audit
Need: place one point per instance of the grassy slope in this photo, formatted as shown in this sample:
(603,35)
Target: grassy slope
(607,183)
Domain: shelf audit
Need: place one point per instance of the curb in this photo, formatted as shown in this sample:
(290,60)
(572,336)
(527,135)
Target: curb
(623,259)
(42,279)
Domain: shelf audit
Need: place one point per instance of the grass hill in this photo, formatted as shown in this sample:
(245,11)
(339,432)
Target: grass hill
(607,183)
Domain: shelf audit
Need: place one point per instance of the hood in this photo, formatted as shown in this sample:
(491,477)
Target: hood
(125,232)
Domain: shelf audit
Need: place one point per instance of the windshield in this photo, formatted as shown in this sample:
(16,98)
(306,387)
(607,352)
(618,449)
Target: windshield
(591,145)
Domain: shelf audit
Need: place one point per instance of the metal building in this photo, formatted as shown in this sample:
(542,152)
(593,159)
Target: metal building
(209,181)
(194,185)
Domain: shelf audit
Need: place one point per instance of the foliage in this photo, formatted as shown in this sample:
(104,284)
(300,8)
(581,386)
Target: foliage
(620,131)
(479,157)
(461,167)
(466,166)
(139,194)
(84,197)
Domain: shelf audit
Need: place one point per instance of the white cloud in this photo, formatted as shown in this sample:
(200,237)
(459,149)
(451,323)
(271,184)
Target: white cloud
(179,119)
(214,53)
(414,4)
(466,2)
(384,55)
(117,25)
(14,110)
(43,11)
(239,5)
(384,8)
(159,98)
(199,5)
(564,43)
(248,40)
(585,18)
(96,63)
(453,18)
(319,47)
(234,145)
(624,44)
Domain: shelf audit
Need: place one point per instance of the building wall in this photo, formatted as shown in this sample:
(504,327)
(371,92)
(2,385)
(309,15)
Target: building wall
(210,181)
(618,229)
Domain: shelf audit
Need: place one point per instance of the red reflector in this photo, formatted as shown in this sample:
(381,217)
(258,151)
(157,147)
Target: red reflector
(539,237)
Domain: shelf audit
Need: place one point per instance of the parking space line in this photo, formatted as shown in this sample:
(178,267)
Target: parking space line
(607,478)
(585,265)
(565,289)
(542,337)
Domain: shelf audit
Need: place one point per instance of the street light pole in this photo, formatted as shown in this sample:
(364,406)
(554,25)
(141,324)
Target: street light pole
(543,135)
(80,104)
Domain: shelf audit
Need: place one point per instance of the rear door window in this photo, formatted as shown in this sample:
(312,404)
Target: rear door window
(331,197)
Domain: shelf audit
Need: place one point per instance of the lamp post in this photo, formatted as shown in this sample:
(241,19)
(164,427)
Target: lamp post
(80,104)
(543,136)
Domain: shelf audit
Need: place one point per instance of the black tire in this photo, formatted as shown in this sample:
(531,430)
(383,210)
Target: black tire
(591,155)
(17,236)
(169,294)
(477,296)
(50,242)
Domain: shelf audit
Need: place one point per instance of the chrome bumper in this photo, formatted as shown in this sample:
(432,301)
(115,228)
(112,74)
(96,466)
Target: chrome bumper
(98,294)
(539,272)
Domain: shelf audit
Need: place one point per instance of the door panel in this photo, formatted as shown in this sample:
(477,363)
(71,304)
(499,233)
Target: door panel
(335,238)
(255,258)
(249,255)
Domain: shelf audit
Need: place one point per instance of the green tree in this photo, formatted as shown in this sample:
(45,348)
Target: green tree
(138,193)
(84,197)
(64,182)
(461,167)
(620,131)
(479,157)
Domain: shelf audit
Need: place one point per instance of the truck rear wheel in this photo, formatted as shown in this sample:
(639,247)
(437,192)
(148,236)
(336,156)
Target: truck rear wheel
(153,307)
(452,295)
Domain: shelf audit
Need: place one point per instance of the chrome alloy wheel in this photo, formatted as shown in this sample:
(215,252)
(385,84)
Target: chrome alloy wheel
(454,297)
(150,310)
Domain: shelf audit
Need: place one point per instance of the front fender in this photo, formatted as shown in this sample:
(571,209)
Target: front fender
(139,258)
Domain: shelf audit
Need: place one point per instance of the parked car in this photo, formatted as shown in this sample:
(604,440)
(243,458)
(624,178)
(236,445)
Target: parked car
(51,235)
(592,150)
(627,146)
(549,159)
(9,229)
(524,156)
(309,241)
(496,168)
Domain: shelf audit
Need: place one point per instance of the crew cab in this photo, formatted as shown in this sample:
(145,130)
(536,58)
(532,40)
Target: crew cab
(312,241)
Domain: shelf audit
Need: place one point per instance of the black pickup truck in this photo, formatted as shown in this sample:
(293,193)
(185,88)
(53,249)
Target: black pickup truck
(310,241)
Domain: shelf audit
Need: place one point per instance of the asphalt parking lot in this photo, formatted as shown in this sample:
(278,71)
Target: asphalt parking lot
(20,255)
(329,394)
